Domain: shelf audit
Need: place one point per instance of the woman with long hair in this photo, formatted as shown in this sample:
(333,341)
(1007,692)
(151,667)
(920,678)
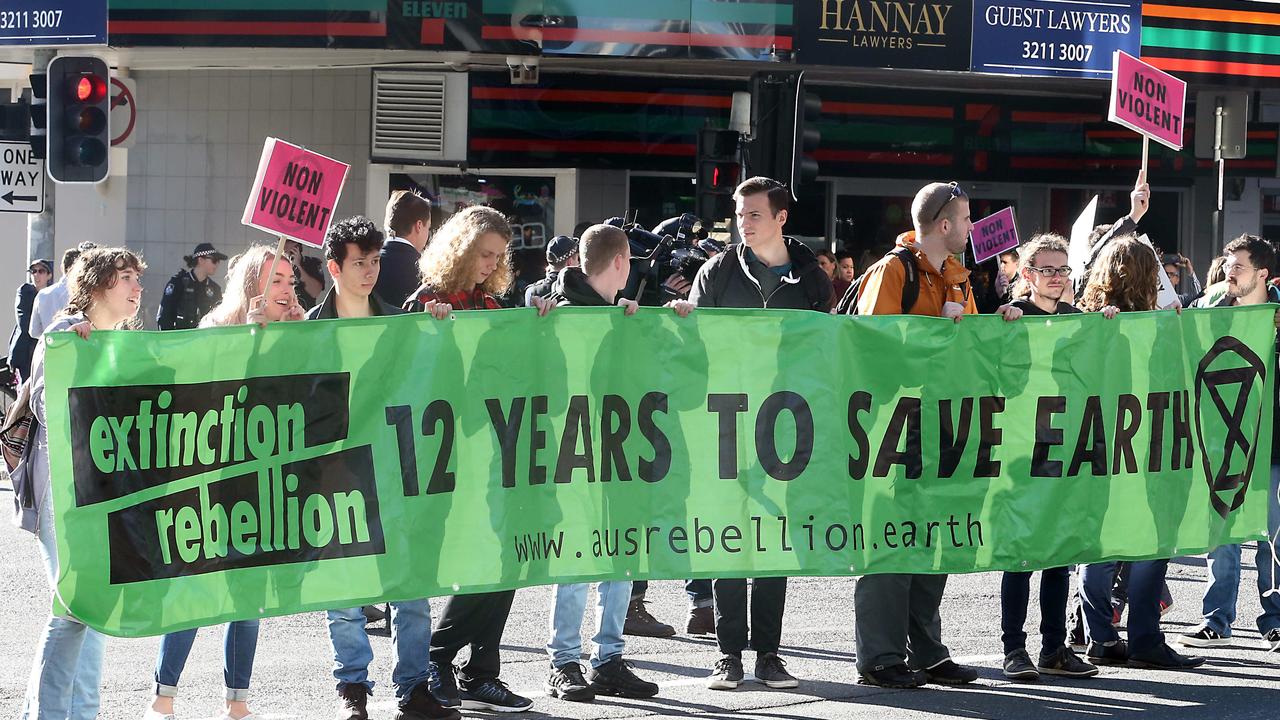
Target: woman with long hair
(105,292)
(1125,278)
(464,268)
(251,297)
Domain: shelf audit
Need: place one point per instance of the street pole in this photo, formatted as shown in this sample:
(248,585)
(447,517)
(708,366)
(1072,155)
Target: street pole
(40,226)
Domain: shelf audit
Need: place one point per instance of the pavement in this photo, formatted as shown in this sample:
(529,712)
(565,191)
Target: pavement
(292,673)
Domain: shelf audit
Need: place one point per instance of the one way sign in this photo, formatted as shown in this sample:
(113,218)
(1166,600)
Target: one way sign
(21,179)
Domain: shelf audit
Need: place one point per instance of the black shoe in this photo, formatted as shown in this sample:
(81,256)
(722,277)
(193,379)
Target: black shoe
(949,673)
(566,682)
(1075,638)
(1204,636)
(702,621)
(1163,657)
(616,678)
(641,624)
(1018,666)
(351,702)
(772,671)
(422,705)
(1117,653)
(1272,638)
(494,696)
(894,676)
(727,673)
(1065,662)
(373,613)
(444,685)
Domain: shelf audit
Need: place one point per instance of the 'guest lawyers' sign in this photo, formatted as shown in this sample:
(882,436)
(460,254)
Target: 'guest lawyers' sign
(994,234)
(1066,38)
(294,193)
(1147,100)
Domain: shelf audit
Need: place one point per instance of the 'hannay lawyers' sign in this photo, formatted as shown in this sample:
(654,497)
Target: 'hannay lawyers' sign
(931,35)
(294,193)
(1147,100)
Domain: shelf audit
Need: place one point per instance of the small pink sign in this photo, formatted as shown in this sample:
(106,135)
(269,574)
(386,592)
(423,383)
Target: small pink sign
(294,193)
(994,234)
(1147,100)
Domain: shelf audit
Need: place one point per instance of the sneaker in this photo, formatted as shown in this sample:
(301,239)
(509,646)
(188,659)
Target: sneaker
(772,671)
(1204,637)
(373,613)
(1064,662)
(494,696)
(422,705)
(727,673)
(1076,639)
(641,624)
(444,685)
(351,702)
(702,621)
(616,678)
(949,673)
(1117,653)
(1018,666)
(1272,637)
(895,676)
(566,682)
(1163,657)
(151,714)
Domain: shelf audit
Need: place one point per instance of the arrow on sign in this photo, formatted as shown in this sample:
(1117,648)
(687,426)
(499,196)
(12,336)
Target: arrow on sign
(9,197)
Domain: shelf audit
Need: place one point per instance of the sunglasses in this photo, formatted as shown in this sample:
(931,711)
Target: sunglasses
(1049,272)
(956,192)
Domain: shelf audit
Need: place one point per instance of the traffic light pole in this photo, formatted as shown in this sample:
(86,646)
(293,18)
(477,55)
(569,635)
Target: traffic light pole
(40,226)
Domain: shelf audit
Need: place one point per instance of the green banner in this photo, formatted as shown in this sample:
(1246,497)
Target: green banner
(204,476)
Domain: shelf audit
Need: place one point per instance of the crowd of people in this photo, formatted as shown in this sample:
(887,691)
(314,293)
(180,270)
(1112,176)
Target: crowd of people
(463,265)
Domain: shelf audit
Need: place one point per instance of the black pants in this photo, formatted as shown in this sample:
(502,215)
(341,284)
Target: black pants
(475,620)
(1015,595)
(768,600)
(696,589)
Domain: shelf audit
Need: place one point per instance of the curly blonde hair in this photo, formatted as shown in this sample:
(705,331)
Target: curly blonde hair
(448,265)
(244,276)
(95,272)
(1126,275)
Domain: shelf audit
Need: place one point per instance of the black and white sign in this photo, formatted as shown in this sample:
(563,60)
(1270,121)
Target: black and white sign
(39,23)
(21,179)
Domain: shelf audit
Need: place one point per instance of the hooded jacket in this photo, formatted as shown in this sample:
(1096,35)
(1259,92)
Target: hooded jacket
(726,281)
(570,287)
(881,292)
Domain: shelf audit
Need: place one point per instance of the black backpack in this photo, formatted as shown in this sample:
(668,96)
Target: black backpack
(848,304)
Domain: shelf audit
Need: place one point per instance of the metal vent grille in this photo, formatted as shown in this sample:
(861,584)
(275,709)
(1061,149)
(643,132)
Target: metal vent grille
(411,117)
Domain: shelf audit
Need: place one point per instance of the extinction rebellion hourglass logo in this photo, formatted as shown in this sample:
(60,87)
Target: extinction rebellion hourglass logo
(1230,389)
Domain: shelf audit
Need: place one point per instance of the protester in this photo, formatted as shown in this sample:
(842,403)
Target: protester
(1125,278)
(606,266)
(846,272)
(1102,235)
(104,293)
(352,251)
(408,223)
(827,261)
(312,275)
(1045,275)
(897,625)
(1215,285)
(562,252)
(50,301)
(21,344)
(1250,263)
(294,256)
(191,293)
(767,270)
(465,267)
(1177,267)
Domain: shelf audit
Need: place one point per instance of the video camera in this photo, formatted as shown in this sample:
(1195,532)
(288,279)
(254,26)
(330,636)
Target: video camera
(671,249)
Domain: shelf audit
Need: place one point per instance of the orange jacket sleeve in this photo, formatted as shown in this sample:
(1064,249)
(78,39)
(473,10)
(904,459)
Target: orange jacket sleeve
(882,289)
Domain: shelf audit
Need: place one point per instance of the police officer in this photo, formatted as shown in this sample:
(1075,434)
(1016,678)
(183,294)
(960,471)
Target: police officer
(562,252)
(191,293)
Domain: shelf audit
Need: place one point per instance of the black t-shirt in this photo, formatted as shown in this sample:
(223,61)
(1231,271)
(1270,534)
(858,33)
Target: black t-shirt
(1029,308)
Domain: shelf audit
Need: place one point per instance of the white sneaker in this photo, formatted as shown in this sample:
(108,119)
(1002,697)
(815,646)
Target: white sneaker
(1272,637)
(151,714)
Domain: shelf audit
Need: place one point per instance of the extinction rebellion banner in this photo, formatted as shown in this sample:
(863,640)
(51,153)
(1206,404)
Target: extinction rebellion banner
(203,476)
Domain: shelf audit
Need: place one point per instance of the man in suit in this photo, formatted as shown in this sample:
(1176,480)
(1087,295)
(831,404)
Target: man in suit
(408,225)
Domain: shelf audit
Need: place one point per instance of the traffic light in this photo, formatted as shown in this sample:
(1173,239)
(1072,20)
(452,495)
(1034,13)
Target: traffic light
(783,136)
(79,105)
(719,172)
(39,111)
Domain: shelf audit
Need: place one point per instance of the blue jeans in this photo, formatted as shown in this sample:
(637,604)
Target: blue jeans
(565,644)
(1224,574)
(239,643)
(1146,580)
(67,671)
(410,637)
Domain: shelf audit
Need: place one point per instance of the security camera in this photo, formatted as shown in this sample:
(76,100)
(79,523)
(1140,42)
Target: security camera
(523,69)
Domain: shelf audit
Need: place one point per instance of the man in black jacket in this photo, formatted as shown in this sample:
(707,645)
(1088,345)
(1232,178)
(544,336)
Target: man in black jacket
(409,223)
(766,271)
(191,293)
(21,344)
(562,252)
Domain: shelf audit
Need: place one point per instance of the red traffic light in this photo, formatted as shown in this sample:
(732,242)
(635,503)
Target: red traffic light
(89,88)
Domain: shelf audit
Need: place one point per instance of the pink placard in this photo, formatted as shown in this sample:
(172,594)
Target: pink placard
(1147,100)
(994,234)
(294,193)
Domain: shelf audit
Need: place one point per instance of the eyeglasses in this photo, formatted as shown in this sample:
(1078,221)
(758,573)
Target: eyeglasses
(956,192)
(1231,268)
(38,271)
(1049,272)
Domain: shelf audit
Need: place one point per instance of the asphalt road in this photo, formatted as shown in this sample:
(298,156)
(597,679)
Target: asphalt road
(292,679)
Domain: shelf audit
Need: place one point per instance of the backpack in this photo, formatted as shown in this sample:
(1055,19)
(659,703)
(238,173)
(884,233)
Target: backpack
(848,304)
(720,280)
